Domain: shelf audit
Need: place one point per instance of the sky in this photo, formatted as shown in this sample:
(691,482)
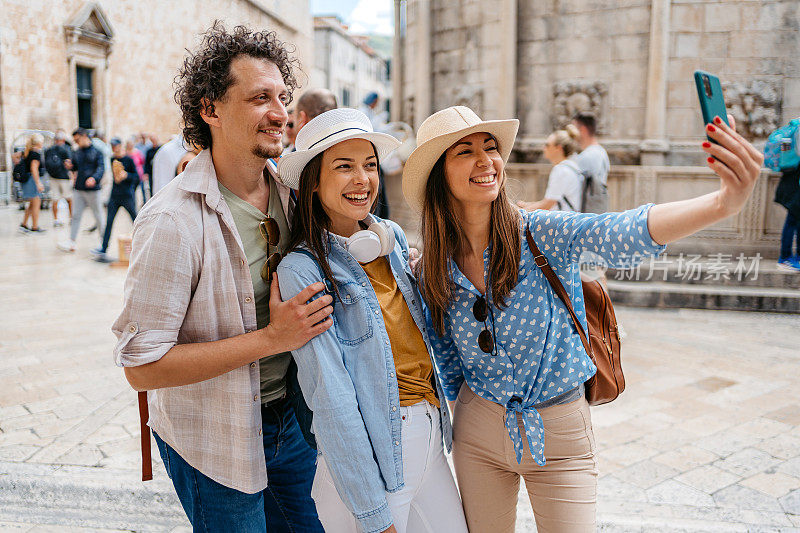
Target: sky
(363,16)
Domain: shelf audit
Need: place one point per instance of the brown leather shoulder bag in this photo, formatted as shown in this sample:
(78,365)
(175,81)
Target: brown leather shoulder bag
(602,343)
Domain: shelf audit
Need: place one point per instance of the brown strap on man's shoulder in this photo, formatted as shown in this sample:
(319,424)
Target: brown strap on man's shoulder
(144,416)
(558,288)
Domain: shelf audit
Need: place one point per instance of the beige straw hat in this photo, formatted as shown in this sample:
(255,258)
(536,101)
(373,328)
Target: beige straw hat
(440,131)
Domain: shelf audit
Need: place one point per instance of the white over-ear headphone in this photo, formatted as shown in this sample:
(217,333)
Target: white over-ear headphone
(371,243)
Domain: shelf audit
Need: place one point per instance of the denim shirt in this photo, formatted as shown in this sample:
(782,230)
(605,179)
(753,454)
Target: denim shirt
(539,355)
(347,375)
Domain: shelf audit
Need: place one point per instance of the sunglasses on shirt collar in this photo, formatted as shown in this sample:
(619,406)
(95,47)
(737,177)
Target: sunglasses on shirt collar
(486,338)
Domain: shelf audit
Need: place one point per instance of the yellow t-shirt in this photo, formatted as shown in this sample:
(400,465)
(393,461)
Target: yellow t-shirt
(412,363)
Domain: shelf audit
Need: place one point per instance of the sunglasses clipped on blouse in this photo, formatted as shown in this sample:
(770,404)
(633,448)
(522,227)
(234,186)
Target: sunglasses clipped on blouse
(480,311)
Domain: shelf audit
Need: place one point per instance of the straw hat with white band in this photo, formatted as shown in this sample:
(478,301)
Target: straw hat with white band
(325,130)
(440,131)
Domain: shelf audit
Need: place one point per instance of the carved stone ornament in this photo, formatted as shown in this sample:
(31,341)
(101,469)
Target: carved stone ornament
(756,106)
(90,24)
(570,97)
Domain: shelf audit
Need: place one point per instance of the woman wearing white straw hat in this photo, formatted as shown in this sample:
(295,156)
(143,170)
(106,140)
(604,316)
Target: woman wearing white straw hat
(504,343)
(379,415)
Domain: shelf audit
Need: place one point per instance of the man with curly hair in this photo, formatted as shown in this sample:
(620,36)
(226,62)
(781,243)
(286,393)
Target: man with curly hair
(203,328)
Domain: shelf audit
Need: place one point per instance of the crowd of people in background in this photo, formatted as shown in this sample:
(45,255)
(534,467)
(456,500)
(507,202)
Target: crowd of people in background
(92,173)
(105,176)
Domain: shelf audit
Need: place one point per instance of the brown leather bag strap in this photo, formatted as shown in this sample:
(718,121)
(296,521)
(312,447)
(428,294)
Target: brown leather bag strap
(558,288)
(144,416)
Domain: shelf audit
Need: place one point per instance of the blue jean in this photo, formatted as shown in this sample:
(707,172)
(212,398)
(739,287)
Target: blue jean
(790,234)
(114,203)
(284,506)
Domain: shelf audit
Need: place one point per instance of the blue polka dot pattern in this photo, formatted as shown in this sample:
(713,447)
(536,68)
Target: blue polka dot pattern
(539,355)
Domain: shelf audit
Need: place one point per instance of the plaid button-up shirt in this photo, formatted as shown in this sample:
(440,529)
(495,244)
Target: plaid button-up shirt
(189,281)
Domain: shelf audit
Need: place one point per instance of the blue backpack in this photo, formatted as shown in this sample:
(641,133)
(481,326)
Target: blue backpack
(782,151)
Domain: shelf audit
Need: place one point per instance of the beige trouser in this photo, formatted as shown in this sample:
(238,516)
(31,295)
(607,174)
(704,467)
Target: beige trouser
(563,493)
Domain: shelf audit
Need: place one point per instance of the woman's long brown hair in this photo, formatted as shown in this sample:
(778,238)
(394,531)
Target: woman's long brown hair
(310,222)
(443,238)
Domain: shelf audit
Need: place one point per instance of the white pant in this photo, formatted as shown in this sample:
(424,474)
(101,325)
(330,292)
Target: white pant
(429,501)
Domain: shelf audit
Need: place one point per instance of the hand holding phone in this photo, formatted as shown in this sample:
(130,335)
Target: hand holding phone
(712,103)
(731,156)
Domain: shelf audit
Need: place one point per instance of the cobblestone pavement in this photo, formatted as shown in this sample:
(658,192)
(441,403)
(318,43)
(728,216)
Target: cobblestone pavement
(705,438)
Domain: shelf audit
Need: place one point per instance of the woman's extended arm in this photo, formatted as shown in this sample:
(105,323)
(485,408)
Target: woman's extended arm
(737,163)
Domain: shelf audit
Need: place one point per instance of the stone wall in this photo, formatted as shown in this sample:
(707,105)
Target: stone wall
(461,55)
(148,46)
(753,46)
(630,61)
(577,54)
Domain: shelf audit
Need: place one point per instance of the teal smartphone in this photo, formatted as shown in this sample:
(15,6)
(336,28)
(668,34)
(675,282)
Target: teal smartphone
(712,103)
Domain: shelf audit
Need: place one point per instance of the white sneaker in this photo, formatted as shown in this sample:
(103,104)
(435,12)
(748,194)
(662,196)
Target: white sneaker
(789,265)
(66,246)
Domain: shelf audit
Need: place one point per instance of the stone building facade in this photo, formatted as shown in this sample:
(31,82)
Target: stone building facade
(630,61)
(113,62)
(346,65)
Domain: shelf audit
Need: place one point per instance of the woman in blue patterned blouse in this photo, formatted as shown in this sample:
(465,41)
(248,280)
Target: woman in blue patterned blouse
(504,343)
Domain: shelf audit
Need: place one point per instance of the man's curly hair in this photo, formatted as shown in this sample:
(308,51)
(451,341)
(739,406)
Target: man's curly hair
(206,73)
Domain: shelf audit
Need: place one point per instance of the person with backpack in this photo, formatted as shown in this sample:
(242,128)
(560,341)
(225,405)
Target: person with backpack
(564,186)
(55,159)
(787,194)
(782,154)
(32,184)
(592,159)
(509,351)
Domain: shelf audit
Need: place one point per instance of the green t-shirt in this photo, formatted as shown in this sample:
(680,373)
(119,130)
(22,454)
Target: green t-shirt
(247,218)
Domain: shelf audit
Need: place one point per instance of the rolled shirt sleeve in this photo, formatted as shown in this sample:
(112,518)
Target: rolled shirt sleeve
(158,289)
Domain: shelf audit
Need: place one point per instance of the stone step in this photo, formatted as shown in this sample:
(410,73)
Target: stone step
(661,294)
(87,497)
(80,498)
